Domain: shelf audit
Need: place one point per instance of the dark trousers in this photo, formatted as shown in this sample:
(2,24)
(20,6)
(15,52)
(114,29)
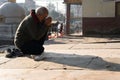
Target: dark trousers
(34,47)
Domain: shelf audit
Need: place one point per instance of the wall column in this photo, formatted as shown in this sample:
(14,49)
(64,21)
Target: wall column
(68,19)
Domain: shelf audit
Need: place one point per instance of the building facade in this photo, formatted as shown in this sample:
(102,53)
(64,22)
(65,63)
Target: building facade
(99,17)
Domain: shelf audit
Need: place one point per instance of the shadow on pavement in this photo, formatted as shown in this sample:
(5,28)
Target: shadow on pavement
(82,61)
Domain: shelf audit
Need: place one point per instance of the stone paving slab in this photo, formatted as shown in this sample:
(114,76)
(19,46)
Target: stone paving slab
(97,46)
(83,46)
(36,74)
(67,59)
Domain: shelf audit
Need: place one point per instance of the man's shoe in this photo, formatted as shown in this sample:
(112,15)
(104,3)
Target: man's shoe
(39,57)
(18,53)
(9,54)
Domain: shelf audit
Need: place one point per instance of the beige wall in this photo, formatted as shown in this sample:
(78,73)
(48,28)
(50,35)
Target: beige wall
(11,0)
(98,8)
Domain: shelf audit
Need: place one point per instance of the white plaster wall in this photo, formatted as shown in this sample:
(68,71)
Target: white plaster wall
(98,8)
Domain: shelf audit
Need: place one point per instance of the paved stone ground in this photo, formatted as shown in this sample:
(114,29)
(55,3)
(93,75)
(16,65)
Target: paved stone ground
(68,58)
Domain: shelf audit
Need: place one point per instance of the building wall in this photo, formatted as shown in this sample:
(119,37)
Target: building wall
(99,18)
(98,8)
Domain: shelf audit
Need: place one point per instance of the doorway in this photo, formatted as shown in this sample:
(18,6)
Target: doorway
(76,19)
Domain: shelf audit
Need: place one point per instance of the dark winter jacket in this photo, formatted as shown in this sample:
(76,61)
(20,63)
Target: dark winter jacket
(29,29)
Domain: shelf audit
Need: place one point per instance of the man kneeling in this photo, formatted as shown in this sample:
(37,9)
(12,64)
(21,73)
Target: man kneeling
(31,34)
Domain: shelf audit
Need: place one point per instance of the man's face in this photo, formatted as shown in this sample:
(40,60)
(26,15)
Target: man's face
(42,17)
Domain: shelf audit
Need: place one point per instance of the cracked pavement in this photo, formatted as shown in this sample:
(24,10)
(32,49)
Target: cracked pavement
(68,58)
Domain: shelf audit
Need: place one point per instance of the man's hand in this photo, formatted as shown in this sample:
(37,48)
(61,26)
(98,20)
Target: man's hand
(48,21)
